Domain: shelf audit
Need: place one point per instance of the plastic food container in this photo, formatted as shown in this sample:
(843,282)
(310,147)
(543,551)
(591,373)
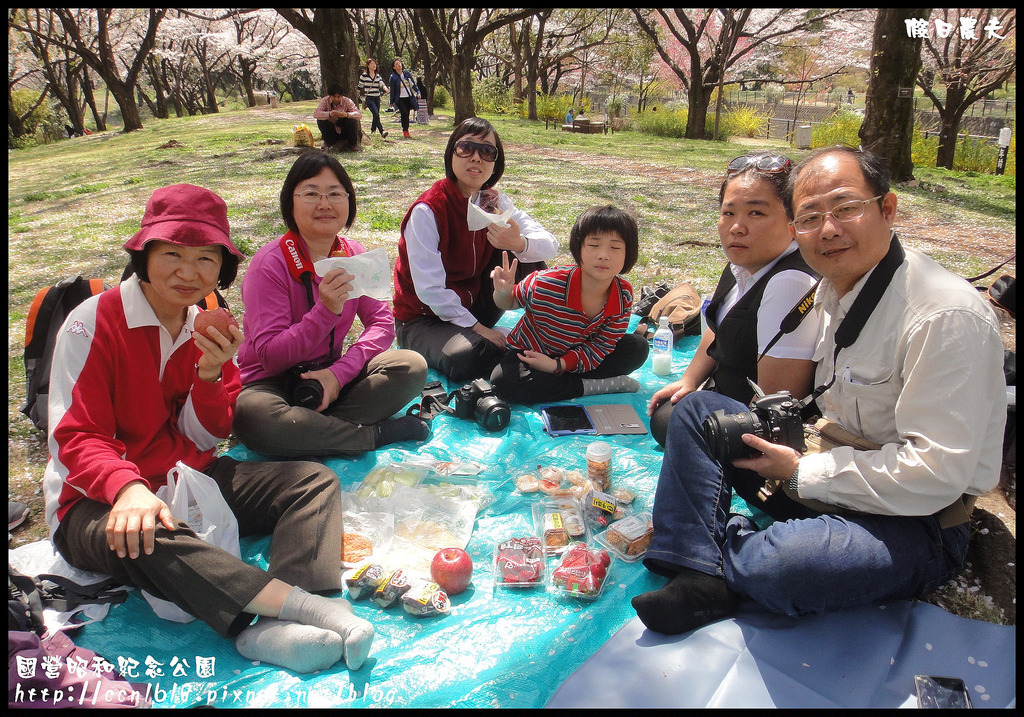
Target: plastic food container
(630,537)
(558,522)
(582,572)
(519,562)
(599,464)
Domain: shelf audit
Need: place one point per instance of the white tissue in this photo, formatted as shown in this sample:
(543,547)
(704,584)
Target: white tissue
(371,270)
(478,219)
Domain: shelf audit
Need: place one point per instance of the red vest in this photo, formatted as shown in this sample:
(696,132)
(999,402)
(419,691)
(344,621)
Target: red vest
(464,254)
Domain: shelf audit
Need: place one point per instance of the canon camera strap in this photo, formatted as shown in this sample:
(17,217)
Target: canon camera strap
(865,303)
(301,267)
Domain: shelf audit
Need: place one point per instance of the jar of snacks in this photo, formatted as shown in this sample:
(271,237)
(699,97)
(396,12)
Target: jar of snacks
(599,464)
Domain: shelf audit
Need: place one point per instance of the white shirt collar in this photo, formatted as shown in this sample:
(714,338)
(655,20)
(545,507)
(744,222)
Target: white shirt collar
(744,279)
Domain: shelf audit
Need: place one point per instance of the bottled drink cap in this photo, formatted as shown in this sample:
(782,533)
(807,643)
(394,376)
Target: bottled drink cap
(663,323)
(599,451)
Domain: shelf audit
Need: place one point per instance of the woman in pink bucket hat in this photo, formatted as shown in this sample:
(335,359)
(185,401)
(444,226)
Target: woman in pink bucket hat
(134,391)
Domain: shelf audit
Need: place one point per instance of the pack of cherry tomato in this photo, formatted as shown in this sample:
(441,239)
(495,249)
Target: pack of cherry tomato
(519,562)
(582,572)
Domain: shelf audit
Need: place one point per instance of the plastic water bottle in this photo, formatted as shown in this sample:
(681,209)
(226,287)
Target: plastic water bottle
(661,361)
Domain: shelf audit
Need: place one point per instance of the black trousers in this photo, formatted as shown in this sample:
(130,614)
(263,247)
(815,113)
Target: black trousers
(346,134)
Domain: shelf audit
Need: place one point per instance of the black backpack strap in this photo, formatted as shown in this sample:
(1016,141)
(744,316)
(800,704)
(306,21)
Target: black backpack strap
(65,594)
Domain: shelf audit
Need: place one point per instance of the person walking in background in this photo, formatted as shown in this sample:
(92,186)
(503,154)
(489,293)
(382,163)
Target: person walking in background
(372,87)
(338,119)
(403,93)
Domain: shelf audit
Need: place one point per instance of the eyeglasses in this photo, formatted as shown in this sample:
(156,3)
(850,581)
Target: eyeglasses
(312,197)
(465,149)
(845,212)
(770,163)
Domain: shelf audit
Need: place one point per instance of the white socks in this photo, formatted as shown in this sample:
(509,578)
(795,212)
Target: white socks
(615,384)
(302,648)
(334,614)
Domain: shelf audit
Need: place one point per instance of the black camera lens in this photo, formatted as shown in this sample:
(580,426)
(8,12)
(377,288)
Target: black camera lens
(308,393)
(723,433)
(492,413)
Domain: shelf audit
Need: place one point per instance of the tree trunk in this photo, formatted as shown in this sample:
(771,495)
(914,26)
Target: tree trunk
(462,88)
(949,129)
(888,124)
(698,102)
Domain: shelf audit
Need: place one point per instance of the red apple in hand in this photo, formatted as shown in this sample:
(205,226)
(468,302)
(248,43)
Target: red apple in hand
(219,318)
(452,569)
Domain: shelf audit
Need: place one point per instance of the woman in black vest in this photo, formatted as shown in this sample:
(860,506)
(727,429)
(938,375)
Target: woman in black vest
(764,279)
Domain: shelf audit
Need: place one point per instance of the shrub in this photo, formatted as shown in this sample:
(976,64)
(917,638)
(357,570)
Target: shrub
(44,125)
(491,95)
(841,128)
(441,97)
(742,122)
(665,123)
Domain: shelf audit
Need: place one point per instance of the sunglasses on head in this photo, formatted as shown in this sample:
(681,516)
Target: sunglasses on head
(770,163)
(465,149)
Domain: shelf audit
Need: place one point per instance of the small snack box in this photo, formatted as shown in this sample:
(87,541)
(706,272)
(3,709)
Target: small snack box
(629,538)
(558,521)
(582,572)
(519,562)
(602,509)
(426,599)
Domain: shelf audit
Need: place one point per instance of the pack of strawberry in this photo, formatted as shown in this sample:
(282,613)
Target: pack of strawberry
(519,562)
(582,572)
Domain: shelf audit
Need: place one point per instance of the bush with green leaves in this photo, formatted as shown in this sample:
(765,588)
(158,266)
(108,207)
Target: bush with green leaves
(43,125)
(441,97)
(841,128)
(742,122)
(491,95)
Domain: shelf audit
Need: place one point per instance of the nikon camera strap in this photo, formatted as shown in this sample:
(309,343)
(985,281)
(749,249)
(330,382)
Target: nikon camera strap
(855,319)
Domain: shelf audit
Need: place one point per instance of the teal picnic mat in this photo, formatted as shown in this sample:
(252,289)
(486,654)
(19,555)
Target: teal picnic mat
(498,647)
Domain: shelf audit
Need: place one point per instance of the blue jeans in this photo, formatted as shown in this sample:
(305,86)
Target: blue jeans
(805,562)
(373,104)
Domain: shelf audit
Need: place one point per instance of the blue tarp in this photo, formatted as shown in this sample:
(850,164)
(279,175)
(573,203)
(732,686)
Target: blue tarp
(498,647)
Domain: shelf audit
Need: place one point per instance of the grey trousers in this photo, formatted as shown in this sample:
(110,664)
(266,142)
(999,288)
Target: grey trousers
(298,502)
(267,423)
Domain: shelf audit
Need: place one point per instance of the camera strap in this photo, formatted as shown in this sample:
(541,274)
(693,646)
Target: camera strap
(300,266)
(865,303)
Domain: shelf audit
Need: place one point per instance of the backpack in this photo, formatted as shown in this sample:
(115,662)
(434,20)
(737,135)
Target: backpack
(681,304)
(45,316)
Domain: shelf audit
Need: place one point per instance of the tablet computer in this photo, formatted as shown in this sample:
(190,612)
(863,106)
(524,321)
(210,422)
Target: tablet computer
(567,419)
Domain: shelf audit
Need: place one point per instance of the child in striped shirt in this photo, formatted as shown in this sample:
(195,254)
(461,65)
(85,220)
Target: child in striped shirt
(572,340)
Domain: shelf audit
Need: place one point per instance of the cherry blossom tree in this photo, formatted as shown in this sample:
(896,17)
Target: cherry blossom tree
(969,53)
(702,46)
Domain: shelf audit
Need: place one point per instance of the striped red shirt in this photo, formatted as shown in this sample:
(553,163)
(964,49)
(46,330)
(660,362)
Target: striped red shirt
(555,324)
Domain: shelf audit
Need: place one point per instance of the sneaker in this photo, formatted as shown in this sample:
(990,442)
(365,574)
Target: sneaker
(16,514)
(383,134)
(406,134)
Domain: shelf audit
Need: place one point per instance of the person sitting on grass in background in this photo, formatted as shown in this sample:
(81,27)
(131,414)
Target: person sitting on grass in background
(133,391)
(338,119)
(572,340)
(766,276)
(296,325)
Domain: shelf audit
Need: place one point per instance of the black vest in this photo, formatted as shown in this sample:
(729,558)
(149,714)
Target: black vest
(735,346)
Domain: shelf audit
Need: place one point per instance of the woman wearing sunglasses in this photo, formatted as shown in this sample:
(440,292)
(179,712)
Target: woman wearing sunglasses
(444,306)
(763,281)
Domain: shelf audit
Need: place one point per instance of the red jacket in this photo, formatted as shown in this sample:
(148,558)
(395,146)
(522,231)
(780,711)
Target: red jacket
(114,417)
(464,254)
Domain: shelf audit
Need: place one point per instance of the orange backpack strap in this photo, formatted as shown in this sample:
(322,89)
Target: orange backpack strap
(33,313)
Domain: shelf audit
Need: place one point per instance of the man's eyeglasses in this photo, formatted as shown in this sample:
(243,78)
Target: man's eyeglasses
(310,196)
(844,212)
(770,163)
(465,149)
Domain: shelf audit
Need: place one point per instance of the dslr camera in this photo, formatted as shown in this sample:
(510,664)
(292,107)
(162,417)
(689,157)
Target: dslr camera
(304,392)
(775,418)
(433,400)
(477,400)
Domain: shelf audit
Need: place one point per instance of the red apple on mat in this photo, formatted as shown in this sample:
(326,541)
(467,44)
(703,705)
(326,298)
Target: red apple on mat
(219,318)
(452,569)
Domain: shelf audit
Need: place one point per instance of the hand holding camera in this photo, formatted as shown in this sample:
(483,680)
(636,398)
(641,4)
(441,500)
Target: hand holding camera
(311,385)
